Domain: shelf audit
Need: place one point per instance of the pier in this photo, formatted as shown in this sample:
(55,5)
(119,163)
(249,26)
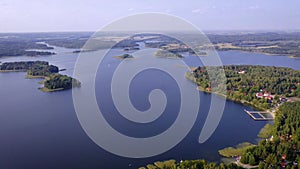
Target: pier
(259,115)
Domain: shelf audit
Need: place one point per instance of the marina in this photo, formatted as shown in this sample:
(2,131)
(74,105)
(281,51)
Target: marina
(260,115)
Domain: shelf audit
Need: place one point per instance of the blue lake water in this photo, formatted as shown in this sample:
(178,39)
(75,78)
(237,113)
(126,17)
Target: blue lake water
(41,130)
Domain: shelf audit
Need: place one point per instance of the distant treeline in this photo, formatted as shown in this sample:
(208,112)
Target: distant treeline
(18,48)
(17,44)
(280,43)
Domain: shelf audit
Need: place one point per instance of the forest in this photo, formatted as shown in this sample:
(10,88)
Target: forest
(33,68)
(249,83)
(58,81)
(42,70)
(282,149)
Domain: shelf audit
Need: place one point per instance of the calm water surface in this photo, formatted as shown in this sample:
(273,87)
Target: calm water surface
(41,130)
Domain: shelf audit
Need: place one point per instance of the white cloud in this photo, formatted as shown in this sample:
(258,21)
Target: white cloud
(168,10)
(130,9)
(196,10)
(254,7)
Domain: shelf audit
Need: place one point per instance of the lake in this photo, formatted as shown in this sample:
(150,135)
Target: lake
(41,130)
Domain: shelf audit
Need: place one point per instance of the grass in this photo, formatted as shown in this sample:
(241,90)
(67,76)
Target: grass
(235,151)
(266,131)
(44,89)
(161,164)
(34,77)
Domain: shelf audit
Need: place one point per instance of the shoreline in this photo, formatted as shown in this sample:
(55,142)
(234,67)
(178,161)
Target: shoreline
(44,89)
(264,53)
(35,77)
(243,102)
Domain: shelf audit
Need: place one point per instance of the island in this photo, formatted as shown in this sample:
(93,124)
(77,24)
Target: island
(82,50)
(41,69)
(38,53)
(56,82)
(262,87)
(124,56)
(131,48)
(167,54)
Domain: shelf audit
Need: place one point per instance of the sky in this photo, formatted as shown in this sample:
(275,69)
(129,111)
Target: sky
(92,15)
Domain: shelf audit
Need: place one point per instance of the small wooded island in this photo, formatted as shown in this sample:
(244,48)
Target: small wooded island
(41,69)
(167,54)
(124,56)
(262,87)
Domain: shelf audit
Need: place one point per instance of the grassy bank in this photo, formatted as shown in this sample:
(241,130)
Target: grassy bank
(235,151)
(44,89)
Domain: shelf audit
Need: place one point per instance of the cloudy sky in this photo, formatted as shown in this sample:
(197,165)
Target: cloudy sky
(91,15)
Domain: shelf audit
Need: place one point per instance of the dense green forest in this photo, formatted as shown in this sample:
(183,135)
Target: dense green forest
(53,80)
(260,86)
(42,70)
(33,68)
(190,164)
(282,149)
(57,81)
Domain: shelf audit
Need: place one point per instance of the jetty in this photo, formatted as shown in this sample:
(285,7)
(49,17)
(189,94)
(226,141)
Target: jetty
(260,115)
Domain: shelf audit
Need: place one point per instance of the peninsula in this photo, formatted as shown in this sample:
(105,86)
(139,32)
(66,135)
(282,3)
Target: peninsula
(262,87)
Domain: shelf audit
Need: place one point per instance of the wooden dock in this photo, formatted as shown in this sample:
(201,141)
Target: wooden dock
(260,115)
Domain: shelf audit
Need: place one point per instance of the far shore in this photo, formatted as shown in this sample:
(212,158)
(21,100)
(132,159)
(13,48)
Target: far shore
(258,52)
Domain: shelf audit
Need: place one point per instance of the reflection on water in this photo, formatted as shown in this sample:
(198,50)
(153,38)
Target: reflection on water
(41,130)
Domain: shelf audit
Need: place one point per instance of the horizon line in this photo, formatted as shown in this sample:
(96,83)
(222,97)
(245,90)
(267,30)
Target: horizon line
(204,30)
